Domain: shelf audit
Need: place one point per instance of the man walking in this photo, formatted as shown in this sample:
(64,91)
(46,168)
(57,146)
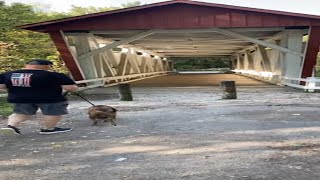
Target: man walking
(33,88)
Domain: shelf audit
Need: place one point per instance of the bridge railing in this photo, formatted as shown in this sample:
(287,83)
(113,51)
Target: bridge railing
(112,81)
(309,84)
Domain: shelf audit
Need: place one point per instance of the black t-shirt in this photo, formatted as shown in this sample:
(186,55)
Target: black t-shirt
(35,86)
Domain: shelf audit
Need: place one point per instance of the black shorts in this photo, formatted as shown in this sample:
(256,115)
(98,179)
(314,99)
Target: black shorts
(50,109)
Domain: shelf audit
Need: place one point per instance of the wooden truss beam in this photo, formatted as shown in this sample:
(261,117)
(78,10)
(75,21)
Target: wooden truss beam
(187,30)
(118,43)
(259,42)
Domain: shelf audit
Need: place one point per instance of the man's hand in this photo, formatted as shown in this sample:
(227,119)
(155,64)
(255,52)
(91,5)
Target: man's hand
(70,88)
(3,87)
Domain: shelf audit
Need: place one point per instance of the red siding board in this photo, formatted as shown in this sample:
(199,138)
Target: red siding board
(312,52)
(189,18)
(223,19)
(205,16)
(300,22)
(290,21)
(254,20)
(164,5)
(158,21)
(270,20)
(173,21)
(238,19)
(315,23)
(206,21)
(181,16)
(283,21)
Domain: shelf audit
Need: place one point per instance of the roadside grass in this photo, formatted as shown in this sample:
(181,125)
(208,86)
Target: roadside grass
(5,108)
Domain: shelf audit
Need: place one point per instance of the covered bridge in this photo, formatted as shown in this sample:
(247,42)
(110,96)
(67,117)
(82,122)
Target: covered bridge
(135,43)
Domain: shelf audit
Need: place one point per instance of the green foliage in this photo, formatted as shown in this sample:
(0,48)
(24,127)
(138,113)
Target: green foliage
(5,108)
(77,10)
(131,4)
(18,46)
(318,67)
(200,63)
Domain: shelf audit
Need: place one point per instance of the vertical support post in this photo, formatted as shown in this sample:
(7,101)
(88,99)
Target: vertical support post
(246,62)
(293,62)
(249,59)
(171,65)
(265,59)
(311,52)
(64,49)
(125,92)
(238,62)
(241,60)
(233,64)
(257,64)
(275,60)
(88,64)
(283,43)
(228,89)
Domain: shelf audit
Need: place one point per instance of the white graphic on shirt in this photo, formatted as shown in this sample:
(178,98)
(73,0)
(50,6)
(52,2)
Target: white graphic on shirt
(21,79)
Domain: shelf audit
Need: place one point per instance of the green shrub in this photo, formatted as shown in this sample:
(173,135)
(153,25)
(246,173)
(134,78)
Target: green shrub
(5,108)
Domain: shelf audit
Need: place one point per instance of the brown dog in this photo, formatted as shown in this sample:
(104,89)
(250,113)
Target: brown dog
(103,113)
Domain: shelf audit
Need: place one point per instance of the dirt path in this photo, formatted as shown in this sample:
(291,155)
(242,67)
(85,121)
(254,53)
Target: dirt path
(177,133)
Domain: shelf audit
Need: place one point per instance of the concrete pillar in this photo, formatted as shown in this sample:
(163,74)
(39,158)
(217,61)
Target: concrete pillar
(228,89)
(125,92)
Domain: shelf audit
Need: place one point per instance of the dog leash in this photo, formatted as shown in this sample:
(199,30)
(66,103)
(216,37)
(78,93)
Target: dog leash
(80,97)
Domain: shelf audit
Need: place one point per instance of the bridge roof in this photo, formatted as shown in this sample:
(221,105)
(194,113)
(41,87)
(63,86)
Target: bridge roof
(177,14)
(186,27)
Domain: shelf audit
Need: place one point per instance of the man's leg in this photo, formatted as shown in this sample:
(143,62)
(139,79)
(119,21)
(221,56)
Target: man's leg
(52,115)
(49,122)
(15,119)
(13,122)
(22,112)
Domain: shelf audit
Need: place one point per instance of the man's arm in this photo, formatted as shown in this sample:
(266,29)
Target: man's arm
(3,87)
(70,88)
(2,82)
(65,82)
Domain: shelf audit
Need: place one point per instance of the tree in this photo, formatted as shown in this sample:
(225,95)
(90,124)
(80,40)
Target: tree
(131,4)
(318,66)
(200,63)
(17,46)
(77,10)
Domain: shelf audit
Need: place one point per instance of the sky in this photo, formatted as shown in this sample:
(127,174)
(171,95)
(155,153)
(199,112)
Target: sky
(298,6)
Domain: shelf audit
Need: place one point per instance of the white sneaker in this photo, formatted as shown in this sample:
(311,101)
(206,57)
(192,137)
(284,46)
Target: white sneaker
(10,131)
